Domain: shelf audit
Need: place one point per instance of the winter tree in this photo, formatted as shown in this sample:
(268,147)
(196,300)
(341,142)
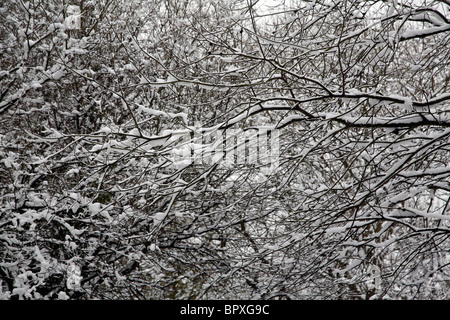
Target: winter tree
(224,149)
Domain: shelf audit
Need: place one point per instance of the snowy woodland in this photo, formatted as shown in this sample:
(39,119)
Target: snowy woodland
(103,103)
